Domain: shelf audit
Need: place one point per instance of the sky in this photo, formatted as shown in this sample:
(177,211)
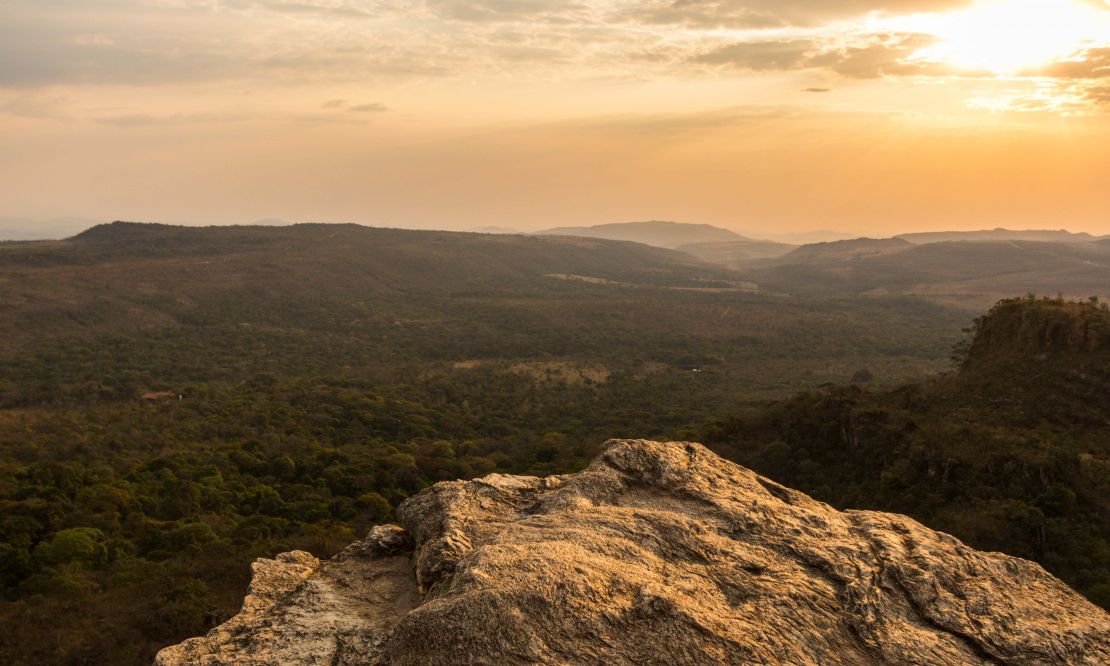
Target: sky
(873,117)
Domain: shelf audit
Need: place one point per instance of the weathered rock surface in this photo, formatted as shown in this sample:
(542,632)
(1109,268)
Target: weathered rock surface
(656,553)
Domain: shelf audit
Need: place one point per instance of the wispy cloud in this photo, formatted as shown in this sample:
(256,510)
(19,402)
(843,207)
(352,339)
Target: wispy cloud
(290,44)
(147,120)
(373,107)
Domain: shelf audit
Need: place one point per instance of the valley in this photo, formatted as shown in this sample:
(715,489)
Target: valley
(176,402)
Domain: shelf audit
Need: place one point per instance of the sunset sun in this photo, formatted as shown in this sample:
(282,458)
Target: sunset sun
(1010,36)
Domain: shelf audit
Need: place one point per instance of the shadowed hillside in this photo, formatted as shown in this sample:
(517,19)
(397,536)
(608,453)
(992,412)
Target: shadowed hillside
(736,254)
(1011,452)
(176,402)
(346,295)
(968,274)
(122,277)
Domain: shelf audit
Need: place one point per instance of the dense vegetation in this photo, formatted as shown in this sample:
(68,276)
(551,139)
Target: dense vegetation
(302,381)
(968,273)
(1009,453)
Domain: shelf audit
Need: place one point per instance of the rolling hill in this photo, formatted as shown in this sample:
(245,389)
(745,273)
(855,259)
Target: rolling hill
(736,254)
(319,298)
(970,274)
(125,277)
(1042,235)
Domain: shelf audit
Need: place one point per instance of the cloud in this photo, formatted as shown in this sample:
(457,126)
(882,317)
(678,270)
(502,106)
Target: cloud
(357,10)
(1099,95)
(761,56)
(36,106)
(885,55)
(286,43)
(501,10)
(139,120)
(130,42)
(662,125)
(1094,64)
(374,107)
(771,13)
(872,56)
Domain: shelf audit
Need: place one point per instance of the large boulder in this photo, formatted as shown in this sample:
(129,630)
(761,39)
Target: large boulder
(656,553)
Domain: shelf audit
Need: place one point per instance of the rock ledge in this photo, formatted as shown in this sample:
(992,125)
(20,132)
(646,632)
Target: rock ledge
(656,553)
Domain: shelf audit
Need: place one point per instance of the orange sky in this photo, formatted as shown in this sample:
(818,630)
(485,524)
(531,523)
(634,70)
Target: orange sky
(764,116)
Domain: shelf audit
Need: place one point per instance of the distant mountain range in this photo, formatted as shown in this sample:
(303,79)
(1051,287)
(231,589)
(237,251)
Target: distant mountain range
(971,269)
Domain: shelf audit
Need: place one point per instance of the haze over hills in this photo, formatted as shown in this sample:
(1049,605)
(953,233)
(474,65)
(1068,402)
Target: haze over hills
(496,230)
(21,229)
(1046,235)
(736,254)
(806,237)
(660,234)
(971,274)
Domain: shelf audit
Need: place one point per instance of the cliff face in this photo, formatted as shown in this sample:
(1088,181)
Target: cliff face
(656,553)
(1020,328)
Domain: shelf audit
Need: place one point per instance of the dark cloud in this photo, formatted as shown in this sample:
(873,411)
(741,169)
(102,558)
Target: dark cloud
(817,90)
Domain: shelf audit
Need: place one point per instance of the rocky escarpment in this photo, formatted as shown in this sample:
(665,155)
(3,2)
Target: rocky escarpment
(656,553)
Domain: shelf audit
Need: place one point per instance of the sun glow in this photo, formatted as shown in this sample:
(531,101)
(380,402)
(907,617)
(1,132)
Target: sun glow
(1011,36)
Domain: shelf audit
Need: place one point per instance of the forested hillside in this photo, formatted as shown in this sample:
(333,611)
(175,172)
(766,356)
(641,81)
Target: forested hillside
(1011,452)
(176,402)
(965,273)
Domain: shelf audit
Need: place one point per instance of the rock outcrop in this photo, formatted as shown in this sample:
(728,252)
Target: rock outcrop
(656,553)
